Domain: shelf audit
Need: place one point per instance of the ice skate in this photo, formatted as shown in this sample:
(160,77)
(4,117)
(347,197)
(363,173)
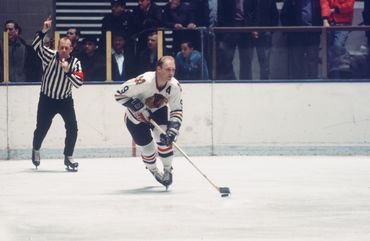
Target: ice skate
(157,175)
(167,177)
(71,165)
(35,158)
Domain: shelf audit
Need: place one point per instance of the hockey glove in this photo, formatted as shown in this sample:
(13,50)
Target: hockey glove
(138,110)
(171,133)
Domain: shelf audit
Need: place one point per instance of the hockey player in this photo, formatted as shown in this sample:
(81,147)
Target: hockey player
(154,95)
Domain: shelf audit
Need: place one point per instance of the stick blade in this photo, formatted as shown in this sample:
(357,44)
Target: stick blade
(224,190)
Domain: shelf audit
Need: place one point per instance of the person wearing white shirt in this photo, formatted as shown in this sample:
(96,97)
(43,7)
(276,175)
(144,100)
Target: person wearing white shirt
(121,68)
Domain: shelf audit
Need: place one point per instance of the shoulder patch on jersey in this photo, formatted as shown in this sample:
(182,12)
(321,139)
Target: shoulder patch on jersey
(139,80)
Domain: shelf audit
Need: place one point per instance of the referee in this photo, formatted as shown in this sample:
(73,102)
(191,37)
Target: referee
(60,72)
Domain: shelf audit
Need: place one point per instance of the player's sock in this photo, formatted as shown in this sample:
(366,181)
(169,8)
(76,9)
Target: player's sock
(149,157)
(166,155)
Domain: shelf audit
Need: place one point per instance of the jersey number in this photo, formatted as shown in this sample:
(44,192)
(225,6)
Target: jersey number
(124,89)
(168,90)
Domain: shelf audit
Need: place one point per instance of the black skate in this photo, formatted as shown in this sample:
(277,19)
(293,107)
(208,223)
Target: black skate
(71,165)
(157,175)
(35,158)
(167,177)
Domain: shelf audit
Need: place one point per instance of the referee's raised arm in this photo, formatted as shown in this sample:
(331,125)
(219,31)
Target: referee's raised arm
(45,54)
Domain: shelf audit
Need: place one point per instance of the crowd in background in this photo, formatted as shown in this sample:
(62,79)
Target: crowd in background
(134,40)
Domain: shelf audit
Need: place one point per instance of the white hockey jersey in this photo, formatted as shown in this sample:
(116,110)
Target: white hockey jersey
(144,88)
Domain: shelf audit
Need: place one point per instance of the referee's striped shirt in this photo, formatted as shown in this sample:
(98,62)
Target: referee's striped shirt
(57,84)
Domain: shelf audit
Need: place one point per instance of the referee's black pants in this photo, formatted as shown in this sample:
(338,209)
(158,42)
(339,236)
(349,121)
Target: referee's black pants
(47,109)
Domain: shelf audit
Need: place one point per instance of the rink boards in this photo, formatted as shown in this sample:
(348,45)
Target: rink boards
(219,119)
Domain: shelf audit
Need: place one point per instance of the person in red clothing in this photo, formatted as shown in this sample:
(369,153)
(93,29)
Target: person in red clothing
(337,12)
(334,13)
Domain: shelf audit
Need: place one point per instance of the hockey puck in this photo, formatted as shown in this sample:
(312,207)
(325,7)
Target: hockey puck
(224,195)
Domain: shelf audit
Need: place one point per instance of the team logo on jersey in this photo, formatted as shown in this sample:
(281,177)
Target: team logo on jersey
(139,80)
(156,101)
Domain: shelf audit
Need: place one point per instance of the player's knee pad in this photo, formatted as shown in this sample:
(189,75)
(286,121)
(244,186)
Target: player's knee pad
(149,152)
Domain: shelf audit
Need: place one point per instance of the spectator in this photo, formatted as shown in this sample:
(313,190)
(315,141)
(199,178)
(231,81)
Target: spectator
(179,17)
(212,12)
(266,14)
(190,64)
(366,18)
(147,58)
(205,14)
(92,61)
(74,35)
(146,17)
(337,13)
(117,20)
(234,13)
(23,62)
(303,47)
(122,64)
(202,12)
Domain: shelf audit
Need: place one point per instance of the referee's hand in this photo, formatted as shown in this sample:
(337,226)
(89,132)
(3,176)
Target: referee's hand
(64,65)
(47,25)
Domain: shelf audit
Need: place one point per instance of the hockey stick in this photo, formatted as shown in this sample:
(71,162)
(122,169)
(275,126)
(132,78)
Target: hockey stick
(225,191)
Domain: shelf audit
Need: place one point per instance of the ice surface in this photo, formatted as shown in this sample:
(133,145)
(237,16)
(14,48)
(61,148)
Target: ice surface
(273,198)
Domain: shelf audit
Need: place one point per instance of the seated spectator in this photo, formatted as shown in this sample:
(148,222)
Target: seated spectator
(190,64)
(117,20)
(337,13)
(23,62)
(92,61)
(147,58)
(145,17)
(122,64)
(179,17)
(74,35)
